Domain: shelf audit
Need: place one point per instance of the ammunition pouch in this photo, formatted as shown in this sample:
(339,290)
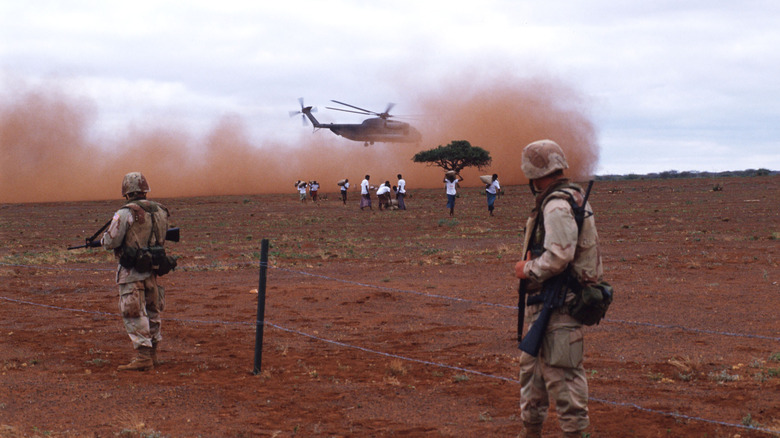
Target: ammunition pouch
(161,263)
(147,259)
(591,302)
(128,257)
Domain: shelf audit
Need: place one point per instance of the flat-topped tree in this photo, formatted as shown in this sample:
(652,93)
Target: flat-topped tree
(456,156)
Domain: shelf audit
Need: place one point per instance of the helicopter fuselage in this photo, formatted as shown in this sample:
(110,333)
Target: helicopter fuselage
(375,129)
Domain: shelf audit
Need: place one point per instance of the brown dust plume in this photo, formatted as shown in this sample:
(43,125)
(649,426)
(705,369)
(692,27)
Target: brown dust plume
(48,153)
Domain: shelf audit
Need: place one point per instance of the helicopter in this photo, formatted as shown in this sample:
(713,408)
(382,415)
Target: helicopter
(376,129)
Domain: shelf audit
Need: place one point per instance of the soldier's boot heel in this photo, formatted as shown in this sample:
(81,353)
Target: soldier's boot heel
(141,362)
(531,430)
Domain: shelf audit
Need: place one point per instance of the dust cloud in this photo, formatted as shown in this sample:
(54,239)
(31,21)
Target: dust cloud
(49,153)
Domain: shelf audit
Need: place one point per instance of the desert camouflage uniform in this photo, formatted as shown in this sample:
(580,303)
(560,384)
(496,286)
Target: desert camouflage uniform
(140,298)
(557,371)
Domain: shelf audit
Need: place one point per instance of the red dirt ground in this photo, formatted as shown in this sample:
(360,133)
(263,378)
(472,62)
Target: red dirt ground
(394,323)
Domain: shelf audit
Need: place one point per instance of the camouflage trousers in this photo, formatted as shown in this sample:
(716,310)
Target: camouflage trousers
(140,303)
(555,373)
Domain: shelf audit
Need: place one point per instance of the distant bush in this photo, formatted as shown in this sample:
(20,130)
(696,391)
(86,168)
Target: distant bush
(671,174)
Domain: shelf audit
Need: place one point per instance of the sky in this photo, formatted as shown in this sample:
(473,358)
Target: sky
(643,86)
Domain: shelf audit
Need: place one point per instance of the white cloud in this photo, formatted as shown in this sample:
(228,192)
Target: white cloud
(682,74)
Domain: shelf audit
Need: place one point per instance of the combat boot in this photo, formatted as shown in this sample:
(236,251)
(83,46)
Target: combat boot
(153,354)
(531,430)
(141,362)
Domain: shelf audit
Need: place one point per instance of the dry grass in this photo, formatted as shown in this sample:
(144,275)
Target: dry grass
(396,367)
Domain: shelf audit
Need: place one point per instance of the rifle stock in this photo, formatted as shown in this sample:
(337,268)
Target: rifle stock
(172,234)
(554,297)
(532,341)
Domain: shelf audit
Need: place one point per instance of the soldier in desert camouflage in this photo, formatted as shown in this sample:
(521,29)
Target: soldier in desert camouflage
(556,245)
(140,223)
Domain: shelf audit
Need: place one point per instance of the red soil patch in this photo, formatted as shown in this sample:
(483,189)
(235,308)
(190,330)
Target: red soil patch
(693,331)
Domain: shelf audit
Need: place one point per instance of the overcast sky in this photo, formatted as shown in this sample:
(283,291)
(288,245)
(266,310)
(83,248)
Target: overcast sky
(683,85)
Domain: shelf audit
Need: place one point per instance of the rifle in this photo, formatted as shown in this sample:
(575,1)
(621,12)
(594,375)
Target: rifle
(171,234)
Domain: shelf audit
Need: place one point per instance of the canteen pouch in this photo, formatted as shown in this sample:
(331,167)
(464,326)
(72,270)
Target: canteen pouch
(591,303)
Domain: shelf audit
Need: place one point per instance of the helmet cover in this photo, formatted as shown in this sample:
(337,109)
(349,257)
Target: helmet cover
(542,158)
(134,182)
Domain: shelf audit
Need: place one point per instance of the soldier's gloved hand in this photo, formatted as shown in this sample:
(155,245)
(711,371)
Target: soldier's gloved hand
(520,269)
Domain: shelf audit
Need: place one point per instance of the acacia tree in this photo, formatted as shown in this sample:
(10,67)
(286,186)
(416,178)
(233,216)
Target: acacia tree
(456,156)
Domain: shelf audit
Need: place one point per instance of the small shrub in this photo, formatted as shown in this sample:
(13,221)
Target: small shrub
(748,421)
(723,376)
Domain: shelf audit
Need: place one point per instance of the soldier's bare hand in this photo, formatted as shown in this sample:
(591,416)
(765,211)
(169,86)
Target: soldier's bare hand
(520,269)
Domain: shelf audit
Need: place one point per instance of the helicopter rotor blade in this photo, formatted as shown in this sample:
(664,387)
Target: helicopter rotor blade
(386,114)
(350,111)
(356,107)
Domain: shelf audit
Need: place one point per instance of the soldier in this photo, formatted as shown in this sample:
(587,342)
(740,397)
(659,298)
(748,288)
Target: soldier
(139,224)
(552,247)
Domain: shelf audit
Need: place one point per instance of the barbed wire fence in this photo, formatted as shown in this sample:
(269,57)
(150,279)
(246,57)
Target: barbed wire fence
(297,332)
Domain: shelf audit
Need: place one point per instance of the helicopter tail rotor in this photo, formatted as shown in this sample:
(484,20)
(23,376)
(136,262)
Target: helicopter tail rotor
(303,116)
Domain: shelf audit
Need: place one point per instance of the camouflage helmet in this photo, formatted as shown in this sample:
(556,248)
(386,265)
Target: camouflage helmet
(542,158)
(134,182)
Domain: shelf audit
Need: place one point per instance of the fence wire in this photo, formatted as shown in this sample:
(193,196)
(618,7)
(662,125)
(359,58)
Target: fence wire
(423,294)
(392,355)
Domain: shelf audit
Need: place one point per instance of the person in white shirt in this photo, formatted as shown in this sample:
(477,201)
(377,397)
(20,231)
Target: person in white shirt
(451,183)
(302,190)
(365,195)
(344,189)
(383,195)
(314,187)
(401,193)
(492,189)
